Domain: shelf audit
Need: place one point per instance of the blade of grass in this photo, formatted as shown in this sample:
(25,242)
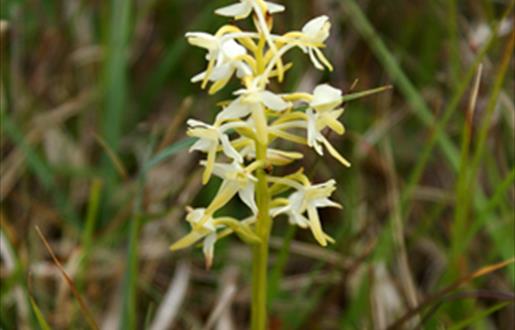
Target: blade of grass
(115,81)
(500,192)
(479,316)
(87,235)
(129,308)
(462,185)
(90,320)
(490,108)
(42,323)
(461,210)
(454,46)
(168,152)
(276,273)
(116,71)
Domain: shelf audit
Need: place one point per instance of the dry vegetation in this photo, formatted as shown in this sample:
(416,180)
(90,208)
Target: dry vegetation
(94,97)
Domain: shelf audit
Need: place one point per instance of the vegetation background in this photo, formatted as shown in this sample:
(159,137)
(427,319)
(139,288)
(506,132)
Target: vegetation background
(95,170)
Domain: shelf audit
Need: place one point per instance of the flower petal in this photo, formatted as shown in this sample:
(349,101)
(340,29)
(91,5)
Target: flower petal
(202,40)
(313,135)
(236,109)
(211,155)
(326,97)
(209,249)
(317,29)
(273,101)
(259,116)
(222,72)
(248,197)
(229,150)
(298,219)
(315,226)
(274,8)
(233,49)
(201,145)
(335,153)
(325,202)
(330,119)
(226,192)
(237,10)
(199,77)
(187,241)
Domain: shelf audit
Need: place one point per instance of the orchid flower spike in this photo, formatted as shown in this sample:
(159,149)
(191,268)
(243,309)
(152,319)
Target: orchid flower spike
(244,147)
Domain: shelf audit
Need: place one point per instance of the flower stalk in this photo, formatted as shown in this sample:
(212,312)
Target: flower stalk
(260,250)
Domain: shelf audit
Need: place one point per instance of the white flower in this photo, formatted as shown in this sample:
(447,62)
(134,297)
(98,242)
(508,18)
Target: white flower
(308,198)
(248,100)
(322,114)
(210,137)
(261,8)
(204,226)
(239,179)
(253,101)
(314,34)
(244,8)
(224,56)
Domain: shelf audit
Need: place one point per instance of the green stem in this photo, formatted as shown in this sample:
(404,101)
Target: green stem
(260,251)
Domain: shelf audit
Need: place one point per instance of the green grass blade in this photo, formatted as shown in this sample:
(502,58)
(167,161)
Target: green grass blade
(129,308)
(454,49)
(115,84)
(276,273)
(115,71)
(87,234)
(169,152)
(42,323)
(478,316)
(462,192)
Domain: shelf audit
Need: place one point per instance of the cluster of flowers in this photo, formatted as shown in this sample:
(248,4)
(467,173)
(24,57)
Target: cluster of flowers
(260,116)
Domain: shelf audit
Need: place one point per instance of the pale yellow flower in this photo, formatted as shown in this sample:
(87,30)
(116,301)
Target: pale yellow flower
(306,200)
(210,138)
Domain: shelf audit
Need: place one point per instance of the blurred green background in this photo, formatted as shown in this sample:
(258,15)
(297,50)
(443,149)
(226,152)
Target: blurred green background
(94,96)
